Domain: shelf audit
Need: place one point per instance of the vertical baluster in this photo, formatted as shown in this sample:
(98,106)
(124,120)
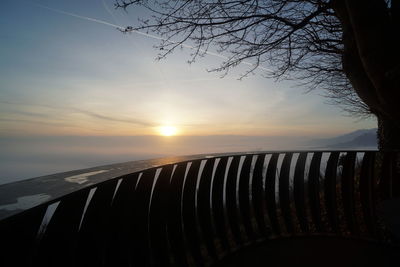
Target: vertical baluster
(189,213)
(231,200)
(258,194)
(348,192)
(18,237)
(94,230)
(244,196)
(140,225)
(175,231)
(204,208)
(314,191)
(284,197)
(218,203)
(59,241)
(120,244)
(330,185)
(396,174)
(385,183)
(368,192)
(158,218)
(270,193)
(298,192)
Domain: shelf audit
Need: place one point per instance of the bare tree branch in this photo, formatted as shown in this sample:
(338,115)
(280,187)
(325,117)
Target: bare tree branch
(300,40)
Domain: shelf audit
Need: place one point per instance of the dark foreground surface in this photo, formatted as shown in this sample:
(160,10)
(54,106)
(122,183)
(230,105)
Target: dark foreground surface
(314,251)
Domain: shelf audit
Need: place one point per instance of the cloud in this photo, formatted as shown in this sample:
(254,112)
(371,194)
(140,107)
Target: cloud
(35,122)
(115,119)
(71,109)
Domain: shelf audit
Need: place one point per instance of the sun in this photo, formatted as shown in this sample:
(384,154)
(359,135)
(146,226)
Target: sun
(167,130)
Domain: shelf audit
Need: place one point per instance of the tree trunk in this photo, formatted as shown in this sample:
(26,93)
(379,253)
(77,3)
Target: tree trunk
(389,146)
(388,134)
(371,62)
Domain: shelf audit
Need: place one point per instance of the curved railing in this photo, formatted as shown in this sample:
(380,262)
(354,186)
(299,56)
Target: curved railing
(198,212)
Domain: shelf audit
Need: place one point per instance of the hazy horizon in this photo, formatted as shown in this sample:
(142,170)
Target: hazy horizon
(25,157)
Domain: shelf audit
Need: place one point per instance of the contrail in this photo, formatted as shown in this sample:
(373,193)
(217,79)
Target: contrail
(119,27)
(80,17)
(124,29)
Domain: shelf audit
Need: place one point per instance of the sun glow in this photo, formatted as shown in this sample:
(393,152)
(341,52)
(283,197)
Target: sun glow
(167,130)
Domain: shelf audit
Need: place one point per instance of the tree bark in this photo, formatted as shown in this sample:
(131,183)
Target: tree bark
(375,35)
(389,158)
(371,62)
(388,134)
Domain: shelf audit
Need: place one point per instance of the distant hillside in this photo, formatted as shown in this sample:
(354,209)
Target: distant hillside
(364,138)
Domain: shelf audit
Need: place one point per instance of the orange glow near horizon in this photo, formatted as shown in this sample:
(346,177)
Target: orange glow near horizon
(167,130)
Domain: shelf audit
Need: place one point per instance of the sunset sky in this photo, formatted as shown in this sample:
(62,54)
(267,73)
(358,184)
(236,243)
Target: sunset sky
(61,74)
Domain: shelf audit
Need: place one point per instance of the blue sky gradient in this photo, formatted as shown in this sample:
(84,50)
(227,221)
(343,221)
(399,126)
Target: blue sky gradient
(62,75)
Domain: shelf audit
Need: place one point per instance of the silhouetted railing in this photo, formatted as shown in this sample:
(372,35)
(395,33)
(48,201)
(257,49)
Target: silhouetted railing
(199,212)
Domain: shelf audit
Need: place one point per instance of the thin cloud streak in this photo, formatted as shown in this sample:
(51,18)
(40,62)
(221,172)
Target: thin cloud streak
(123,29)
(85,112)
(152,83)
(37,122)
(114,119)
(81,111)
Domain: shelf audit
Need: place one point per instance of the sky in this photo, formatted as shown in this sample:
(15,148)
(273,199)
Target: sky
(63,75)
(65,70)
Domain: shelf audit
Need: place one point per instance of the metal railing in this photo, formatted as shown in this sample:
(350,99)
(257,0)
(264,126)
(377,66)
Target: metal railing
(198,212)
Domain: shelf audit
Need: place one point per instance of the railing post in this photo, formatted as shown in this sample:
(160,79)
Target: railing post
(270,193)
(314,191)
(298,192)
(259,196)
(284,197)
(218,204)
(368,192)
(330,187)
(347,183)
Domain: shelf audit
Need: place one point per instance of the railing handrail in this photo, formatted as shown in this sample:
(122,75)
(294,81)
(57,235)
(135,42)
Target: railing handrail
(54,185)
(197,209)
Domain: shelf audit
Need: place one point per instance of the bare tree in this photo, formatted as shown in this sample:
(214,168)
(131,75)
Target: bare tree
(348,48)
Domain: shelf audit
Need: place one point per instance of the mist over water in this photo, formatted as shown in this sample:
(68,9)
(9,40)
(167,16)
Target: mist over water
(26,157)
